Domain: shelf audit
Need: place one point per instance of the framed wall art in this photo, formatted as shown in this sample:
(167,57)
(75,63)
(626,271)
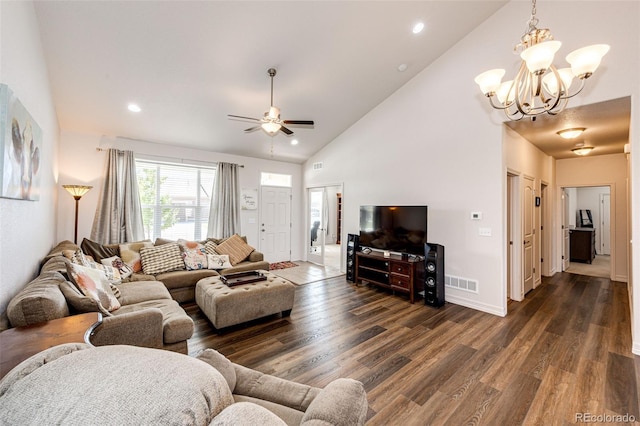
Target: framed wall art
(21,144)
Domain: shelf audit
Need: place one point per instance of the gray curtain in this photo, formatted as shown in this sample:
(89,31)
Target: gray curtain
(224,215)
(118,217)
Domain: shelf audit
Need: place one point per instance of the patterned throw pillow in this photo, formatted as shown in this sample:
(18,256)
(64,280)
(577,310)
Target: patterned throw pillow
(159,259)
(130,254)
(92,283)
(111,273)
(236,248)
(210,247)
(76,256)
(117,263)
(193,254)
(218,261)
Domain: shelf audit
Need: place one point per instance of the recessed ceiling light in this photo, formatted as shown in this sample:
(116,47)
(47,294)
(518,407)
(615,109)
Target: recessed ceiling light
(402,67)
(294,141)
(571,133)
(134,108)
(417,28)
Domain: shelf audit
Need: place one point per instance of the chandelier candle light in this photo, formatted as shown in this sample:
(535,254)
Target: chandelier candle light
(539,87)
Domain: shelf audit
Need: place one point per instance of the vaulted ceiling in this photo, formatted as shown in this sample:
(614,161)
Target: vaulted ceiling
(189,64)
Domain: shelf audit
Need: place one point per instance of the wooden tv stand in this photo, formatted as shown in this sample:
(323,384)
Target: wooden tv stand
(393,272)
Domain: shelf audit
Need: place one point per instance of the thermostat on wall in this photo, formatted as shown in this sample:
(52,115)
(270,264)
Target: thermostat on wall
(476,215)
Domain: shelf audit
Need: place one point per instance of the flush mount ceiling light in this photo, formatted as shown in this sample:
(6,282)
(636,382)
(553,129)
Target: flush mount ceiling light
(571,133)
(134,108)
(539,87)
(417,28)
(581,149)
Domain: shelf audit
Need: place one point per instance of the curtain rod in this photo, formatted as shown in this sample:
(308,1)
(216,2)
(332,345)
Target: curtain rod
(181,159)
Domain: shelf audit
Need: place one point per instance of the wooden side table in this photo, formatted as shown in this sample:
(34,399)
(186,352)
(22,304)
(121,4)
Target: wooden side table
(18,344)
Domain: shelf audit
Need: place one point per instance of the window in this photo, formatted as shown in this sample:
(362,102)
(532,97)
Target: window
(175,199)
(275,179)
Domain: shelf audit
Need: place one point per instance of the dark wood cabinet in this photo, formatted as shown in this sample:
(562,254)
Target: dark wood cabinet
(393,272)
(582,244)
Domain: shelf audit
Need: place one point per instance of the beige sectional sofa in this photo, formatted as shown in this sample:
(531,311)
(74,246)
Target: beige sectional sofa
(149,314)
(115,385)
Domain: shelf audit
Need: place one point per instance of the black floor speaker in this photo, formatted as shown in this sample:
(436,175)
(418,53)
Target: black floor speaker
(433,274)
(353,246)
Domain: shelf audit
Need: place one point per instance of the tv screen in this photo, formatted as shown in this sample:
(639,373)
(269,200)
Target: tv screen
(401,229)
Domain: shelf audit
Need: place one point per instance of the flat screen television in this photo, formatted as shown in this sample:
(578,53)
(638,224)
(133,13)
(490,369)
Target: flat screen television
(401,229)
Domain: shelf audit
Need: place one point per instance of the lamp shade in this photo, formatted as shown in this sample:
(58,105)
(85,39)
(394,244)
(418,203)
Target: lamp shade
(540,56)
(489,81)
(585,61)
(550,80)
(506,93)
(77,190)
(274,112)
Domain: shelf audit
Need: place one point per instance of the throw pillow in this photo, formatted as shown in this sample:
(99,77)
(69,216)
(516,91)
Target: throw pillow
(98,251)
(76,256)
(218,261)
(111,273)
(159,259)
(117,263)
(130,254)
(92,283)
(236,248)
(210,247)
(80,302)
(193,254)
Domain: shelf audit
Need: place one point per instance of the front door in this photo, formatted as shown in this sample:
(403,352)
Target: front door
(317,220)
(528,233)
(275,229)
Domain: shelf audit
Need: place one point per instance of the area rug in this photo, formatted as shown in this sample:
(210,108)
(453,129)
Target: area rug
(281,265)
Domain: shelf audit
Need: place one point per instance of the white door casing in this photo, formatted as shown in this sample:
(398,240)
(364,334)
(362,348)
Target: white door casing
(605,224)
(528,233)
(565,230)
(316,214)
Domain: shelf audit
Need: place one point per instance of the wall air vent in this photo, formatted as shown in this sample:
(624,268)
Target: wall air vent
(465,284)
(318,165)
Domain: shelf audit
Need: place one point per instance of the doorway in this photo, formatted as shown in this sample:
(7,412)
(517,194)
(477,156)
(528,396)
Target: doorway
(594,203)
(325,226)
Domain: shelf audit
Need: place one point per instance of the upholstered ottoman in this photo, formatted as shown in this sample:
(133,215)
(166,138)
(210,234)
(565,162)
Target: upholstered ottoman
(226,306)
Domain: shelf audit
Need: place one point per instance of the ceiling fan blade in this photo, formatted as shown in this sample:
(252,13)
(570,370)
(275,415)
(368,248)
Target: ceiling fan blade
(305,122)
(251,129)
(243,118)
(286,131)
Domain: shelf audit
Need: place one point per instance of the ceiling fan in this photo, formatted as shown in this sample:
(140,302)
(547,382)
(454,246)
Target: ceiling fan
(271,122)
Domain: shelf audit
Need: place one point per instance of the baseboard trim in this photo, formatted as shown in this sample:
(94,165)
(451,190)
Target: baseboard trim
(621,278)
(478,306)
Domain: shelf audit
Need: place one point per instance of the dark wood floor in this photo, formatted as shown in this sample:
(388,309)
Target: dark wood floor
(565,350)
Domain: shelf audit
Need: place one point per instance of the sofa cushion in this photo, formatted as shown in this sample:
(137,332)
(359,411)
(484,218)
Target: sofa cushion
(41,300)
(79,301)
(130,253)
(220,363)
(237,249)
(142,291)
(177,326)
(289,415)
(180,279)
(247,413)
(92,283)
(158,259)
(116,385)
(98,251)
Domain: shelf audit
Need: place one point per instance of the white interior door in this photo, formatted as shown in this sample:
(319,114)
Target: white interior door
(275,229)
(605,224)
(317,225)
(528,232)
(565,230)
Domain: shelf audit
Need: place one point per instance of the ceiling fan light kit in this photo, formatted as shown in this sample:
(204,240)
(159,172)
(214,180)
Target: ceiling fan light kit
(271,122)
(539,87)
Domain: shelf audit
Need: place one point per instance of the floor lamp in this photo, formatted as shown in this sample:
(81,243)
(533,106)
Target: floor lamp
(77,191)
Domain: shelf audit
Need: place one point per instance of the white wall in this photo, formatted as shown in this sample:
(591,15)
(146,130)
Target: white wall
(589,199)
(438,142)
(27,228)
(81,163)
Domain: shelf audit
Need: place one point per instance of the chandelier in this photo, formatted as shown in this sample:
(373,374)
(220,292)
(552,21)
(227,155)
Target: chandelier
(539,87)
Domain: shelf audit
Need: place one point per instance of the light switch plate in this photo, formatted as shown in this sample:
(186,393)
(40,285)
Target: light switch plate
(484,232)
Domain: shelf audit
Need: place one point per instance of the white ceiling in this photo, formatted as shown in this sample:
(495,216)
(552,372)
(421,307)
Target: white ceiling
(189,64)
